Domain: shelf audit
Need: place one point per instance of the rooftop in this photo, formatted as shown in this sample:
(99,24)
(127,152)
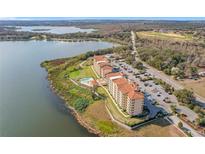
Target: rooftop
(94,82)
(113,74)
(128,88)
(120,81)
(106,67)
(100,57)
(103,64)
(135,95)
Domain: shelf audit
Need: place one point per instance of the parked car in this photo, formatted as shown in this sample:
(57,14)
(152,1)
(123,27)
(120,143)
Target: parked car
(166,100)
(146,84)
(170,93)
(158,94)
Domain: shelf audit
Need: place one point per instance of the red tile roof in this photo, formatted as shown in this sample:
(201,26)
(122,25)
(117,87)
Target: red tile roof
(113,74)
(100,58)
(94,82)
(103,64)
(135,95)
(107,67)
(120,81)
(128,88)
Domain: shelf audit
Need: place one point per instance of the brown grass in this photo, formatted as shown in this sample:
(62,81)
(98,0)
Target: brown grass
(164,36)
(159,128)
(197,86)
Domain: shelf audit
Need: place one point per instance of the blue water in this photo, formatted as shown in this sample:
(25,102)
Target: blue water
(86,80)
(53,29)
(27,105)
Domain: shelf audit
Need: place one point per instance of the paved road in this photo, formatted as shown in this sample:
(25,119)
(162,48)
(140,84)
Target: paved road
(175,120)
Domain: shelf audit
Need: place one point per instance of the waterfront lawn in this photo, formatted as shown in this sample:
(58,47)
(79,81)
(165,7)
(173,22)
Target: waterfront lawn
(83,72)
(107,127)
(74,74)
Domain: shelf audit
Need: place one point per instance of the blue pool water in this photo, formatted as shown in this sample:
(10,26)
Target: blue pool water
(86,80)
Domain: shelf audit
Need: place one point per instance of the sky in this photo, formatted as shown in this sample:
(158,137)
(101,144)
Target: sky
(104,18)
(102,8)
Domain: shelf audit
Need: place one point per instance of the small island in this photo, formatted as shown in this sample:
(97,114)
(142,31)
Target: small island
(36,30)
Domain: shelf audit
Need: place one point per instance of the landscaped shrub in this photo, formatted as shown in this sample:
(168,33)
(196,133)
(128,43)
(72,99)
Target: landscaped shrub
(81,104)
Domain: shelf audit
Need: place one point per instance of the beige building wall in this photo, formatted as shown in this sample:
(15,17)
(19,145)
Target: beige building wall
(123,100)
(135,107)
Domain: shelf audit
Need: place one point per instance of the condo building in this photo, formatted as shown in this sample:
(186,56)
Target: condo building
(99,61)
(124,92)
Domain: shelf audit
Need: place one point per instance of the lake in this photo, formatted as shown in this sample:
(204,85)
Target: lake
(27,105)
(52,29)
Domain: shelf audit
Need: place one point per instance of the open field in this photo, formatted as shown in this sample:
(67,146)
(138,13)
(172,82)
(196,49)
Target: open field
(100,119)
(197,86)
(164,36)
(160,127)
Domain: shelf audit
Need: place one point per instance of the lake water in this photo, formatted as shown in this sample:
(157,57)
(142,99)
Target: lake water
(27,105)
(53,29)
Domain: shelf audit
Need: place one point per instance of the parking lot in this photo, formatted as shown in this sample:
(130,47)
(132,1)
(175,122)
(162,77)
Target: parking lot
(156,98)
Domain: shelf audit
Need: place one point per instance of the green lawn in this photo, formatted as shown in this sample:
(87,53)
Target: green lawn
(107,127)
(74,74)
(84,72)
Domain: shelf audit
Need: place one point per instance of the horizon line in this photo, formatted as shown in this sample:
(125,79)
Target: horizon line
(102,18)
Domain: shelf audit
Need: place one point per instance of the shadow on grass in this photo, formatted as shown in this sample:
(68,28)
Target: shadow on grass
(159,122)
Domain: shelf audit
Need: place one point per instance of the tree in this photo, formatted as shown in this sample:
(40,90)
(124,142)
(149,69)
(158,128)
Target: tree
(167,88)
(202,122)
(167,71)
(180,124)
(173,108)
(184,96)
(81,104)
(138,65)
(196,109)
(194,71)
(129,59)
(180,74)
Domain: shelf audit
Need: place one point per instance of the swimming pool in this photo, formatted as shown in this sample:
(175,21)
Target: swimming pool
(86,81)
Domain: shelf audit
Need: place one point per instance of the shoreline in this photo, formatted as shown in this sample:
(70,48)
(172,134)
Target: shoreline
(73,112)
